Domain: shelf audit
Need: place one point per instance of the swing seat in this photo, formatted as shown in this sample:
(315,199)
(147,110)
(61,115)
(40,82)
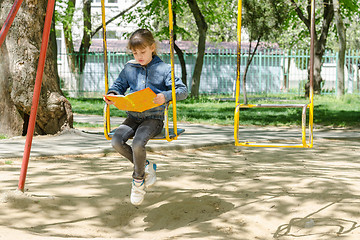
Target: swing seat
(303,143)
(172,135)
(162,135)
(167,133)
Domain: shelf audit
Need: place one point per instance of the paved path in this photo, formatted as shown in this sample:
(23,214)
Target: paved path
(77,141)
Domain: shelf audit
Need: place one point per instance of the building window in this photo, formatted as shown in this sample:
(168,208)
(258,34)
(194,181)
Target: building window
(107,2)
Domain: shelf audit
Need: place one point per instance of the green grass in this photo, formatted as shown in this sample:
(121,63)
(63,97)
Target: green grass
(345,112)
(86,125)
(92,107)
(2,136)
(328,110)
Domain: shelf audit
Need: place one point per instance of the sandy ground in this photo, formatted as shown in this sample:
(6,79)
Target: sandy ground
(210,193)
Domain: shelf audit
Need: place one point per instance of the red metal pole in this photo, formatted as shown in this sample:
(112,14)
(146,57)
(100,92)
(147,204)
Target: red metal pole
(36,96)
(9,20)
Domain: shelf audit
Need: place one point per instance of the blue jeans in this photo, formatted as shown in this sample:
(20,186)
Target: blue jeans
(141,131)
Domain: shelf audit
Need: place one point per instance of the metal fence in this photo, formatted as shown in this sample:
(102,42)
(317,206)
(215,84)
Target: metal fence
(270,72)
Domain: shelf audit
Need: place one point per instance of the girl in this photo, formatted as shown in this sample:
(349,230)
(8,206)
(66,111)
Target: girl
(147,70)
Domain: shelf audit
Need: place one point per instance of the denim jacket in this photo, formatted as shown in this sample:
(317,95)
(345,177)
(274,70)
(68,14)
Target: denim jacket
(157,76)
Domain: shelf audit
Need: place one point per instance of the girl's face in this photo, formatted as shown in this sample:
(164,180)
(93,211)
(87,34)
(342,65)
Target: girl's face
(144,55)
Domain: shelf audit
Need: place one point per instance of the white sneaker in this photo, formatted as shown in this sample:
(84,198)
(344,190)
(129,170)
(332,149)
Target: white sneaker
(137,192)
(150,174)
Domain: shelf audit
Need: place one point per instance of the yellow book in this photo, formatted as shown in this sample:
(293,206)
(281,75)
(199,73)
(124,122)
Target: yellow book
(136,102)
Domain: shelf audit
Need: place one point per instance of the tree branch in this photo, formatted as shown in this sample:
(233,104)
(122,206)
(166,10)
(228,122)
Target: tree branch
(115,17)
(199,18)
(328,17)
(301,15)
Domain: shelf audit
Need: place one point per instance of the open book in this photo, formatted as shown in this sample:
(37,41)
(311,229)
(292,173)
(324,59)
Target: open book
(136,102)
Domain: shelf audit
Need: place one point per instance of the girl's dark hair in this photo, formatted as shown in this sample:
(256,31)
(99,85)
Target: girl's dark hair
(141,38)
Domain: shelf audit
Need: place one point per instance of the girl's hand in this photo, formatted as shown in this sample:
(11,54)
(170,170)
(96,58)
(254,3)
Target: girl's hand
(108,101)
(159,99)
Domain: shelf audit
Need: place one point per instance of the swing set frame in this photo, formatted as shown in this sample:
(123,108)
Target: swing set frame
(304,107)
(168,133)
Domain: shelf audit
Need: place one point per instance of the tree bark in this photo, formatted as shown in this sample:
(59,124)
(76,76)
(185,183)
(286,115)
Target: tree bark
(179,52)
(72,56)
(85,43)
(286,71)
(342,48)
(248,62)
(18,66)
(180,55)
(202,28)
(285,86)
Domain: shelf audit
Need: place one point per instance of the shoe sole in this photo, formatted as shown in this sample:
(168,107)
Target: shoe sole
(137,204)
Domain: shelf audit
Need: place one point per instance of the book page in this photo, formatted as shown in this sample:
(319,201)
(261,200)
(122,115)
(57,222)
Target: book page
(136,102)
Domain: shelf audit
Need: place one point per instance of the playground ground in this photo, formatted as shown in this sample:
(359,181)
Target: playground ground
(217,191)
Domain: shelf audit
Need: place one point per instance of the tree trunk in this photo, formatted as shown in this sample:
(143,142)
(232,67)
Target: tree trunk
(179,52)
(85,43)
(18,66)
(72,56)
(10,119)
(342,48)
(244,82)
(320,44)
(248,62)
(202,28)
(317,73)
(286,69)
(182,63)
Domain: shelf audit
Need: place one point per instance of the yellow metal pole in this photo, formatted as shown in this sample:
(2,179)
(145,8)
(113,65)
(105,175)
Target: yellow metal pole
(167,132)
(237,86)
(171,29)
(269,145)
(107,109)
